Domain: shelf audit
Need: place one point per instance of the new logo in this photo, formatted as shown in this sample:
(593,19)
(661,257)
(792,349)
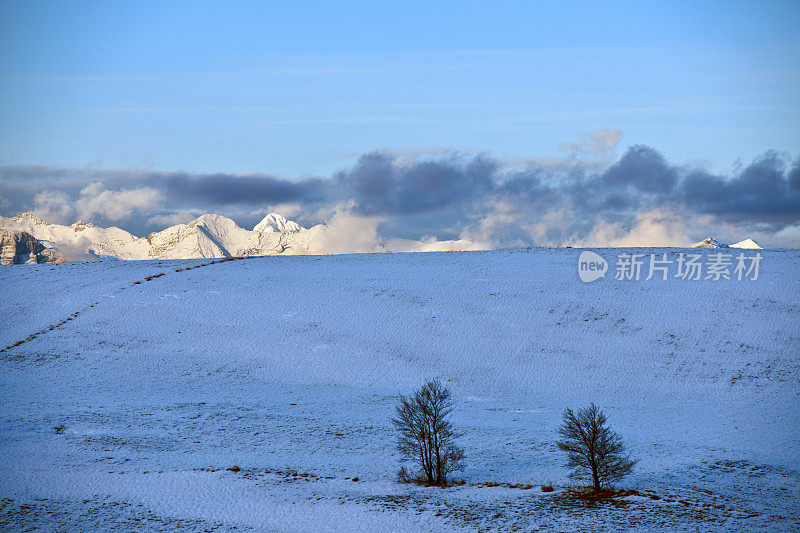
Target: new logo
(591,266)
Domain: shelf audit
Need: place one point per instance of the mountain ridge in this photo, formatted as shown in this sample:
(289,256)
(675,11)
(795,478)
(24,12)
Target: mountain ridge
(29,238)
(208,236)
(711,242)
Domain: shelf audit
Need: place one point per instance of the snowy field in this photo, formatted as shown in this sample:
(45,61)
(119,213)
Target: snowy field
(288,367)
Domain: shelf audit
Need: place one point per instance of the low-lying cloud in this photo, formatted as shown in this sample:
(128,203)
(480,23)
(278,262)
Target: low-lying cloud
(587,196)
(95,202)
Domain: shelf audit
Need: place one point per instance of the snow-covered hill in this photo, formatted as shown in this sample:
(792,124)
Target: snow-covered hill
(208,236)
(289,368)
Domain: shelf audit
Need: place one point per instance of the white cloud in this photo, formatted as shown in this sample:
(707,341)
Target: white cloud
(491,228)
(600,143)
(346,232)
(708,226)
(650,228)
(349,233)
(172,219)
(54,207)
(509,224)
(288,210)
(96,200)
(788,237)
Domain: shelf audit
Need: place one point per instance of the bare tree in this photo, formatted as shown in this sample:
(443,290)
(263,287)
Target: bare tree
(593,449)
(426,436)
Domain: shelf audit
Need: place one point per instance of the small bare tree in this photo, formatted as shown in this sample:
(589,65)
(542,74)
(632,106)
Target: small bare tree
(593,449)
(426,436)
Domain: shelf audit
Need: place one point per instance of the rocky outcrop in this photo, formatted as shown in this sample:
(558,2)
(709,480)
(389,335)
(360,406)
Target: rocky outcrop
(710,242)
(18,247)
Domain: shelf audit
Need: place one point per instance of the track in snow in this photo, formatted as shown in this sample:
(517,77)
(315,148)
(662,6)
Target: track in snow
(76,314)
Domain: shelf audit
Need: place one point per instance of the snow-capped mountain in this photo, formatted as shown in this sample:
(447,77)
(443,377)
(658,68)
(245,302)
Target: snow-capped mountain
(748,244)
(206,236)
(20,247)
(209,235)
(274,223)
(711,242)
(27,238)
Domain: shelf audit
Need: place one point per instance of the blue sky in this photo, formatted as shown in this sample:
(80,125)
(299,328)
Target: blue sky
(504,123)
(302,88)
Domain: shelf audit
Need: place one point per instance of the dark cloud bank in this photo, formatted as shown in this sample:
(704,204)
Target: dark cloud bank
(456,195)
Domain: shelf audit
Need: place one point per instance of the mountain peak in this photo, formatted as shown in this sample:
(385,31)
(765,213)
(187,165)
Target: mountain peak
(211,218)
(710,242)
(749,244)
(275,223)
(30,216)
(81,225)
